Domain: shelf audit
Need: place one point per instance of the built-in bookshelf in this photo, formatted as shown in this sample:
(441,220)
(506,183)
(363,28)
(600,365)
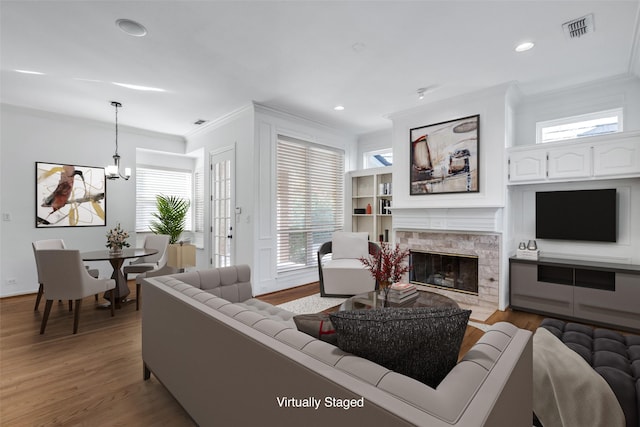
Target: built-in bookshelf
(370,199)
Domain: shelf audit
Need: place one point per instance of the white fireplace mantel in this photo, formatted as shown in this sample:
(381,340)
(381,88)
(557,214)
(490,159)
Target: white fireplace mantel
(480,219)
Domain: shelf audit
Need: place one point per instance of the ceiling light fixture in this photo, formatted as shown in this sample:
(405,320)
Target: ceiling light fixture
(132,28)
(113,171)
(138,87)
(338,108)
(523,47)
(37,73)
(427,89)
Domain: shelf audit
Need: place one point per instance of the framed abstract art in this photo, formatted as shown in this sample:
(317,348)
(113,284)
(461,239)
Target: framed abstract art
(70,196)
(445,157)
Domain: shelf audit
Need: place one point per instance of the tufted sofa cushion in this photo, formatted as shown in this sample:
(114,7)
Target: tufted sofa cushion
(614,356)
(231,283)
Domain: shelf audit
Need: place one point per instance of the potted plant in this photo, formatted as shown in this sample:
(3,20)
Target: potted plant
(172,211)
(388,266)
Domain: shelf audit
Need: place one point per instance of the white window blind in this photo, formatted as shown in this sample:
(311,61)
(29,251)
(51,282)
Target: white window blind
(151,182)
(310,187)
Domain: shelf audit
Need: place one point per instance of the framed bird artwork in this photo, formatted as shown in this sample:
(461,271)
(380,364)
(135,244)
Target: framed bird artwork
(70,196)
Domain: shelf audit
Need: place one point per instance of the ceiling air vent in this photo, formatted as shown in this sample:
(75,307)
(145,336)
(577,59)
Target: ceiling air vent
(199,122)
(579,27)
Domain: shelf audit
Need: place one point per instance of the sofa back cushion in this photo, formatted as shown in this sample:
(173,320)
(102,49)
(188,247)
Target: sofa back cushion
(231,283)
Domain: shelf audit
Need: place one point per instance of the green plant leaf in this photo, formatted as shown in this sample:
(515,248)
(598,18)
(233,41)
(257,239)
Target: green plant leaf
(172,211)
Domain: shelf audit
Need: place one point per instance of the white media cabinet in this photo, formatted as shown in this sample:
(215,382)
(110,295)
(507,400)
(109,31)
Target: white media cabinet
(594,292)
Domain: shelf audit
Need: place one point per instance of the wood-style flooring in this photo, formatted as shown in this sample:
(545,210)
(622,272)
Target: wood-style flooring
(94,378)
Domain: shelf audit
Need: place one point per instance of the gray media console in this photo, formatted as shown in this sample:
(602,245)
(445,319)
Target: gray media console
(593,292)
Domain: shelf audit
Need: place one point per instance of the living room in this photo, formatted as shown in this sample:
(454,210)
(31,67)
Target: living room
(61,130)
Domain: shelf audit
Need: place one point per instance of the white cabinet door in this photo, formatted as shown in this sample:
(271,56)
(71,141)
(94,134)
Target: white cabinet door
(617,158)
(527,165)
(570,162)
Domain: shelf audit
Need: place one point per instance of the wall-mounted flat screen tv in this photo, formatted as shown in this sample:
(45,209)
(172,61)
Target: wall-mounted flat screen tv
(589,215)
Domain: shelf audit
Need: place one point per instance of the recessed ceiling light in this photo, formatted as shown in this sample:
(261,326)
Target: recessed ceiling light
(37,73)
(138,87)
(338,108)
(131,27)
(522,47)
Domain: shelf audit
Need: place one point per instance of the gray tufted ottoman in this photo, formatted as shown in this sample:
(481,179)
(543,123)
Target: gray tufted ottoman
(614,356)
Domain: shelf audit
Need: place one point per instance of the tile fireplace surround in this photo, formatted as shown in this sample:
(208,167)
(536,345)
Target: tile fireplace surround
(486,246)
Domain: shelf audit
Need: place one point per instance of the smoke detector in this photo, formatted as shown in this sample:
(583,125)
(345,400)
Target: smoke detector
(579,27)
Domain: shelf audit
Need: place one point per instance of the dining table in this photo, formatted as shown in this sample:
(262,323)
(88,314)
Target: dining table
(116,259)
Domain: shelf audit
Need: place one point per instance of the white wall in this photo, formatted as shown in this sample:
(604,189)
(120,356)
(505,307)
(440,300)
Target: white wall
(596,96)
(490,104)
(373,141)
(622,91)
(625,250)
(30,136)
(269,124)
(235,129)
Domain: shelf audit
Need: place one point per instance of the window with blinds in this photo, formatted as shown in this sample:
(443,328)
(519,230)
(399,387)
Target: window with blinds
(310,189)
(154,181)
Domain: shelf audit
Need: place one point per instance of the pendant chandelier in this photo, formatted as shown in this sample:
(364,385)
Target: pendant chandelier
(113,171)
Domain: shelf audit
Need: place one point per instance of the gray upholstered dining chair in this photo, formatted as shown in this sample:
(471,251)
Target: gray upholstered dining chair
(149,263)
(65,278)
(52,244)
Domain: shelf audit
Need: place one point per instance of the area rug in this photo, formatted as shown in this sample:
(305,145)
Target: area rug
(311,304)
(481,326)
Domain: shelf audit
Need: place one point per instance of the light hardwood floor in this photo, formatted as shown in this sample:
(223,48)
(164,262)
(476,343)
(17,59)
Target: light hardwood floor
(94,378)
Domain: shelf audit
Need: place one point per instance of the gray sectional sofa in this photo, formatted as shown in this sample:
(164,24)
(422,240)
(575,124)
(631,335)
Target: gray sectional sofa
(230,359)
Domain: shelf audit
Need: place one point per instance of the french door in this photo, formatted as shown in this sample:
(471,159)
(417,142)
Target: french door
(223,207)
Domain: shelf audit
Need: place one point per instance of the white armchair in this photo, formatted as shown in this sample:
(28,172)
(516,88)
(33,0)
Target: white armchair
(344,274)
(64,277)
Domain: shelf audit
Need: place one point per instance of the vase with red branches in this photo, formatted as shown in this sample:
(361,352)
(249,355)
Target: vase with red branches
(387,266)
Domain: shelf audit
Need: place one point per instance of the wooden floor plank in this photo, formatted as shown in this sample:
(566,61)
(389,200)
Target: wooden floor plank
(94,378)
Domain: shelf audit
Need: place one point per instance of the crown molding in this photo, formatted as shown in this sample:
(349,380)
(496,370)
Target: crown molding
(220,121)
(97,123)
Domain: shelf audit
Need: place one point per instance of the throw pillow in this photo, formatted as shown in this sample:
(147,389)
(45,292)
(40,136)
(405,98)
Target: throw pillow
(422,343)
(317,325)
(349,245)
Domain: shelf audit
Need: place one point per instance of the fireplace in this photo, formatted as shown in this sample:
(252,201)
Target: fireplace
(481,248)
(448,271)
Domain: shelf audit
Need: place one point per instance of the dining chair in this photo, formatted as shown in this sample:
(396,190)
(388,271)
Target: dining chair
(53,244)
(65,278)
(149,263)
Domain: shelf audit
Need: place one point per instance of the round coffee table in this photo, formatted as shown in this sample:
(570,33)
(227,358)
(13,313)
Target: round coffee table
(425,299)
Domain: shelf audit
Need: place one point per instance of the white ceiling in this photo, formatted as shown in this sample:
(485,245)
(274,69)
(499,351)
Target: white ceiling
(213,57)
